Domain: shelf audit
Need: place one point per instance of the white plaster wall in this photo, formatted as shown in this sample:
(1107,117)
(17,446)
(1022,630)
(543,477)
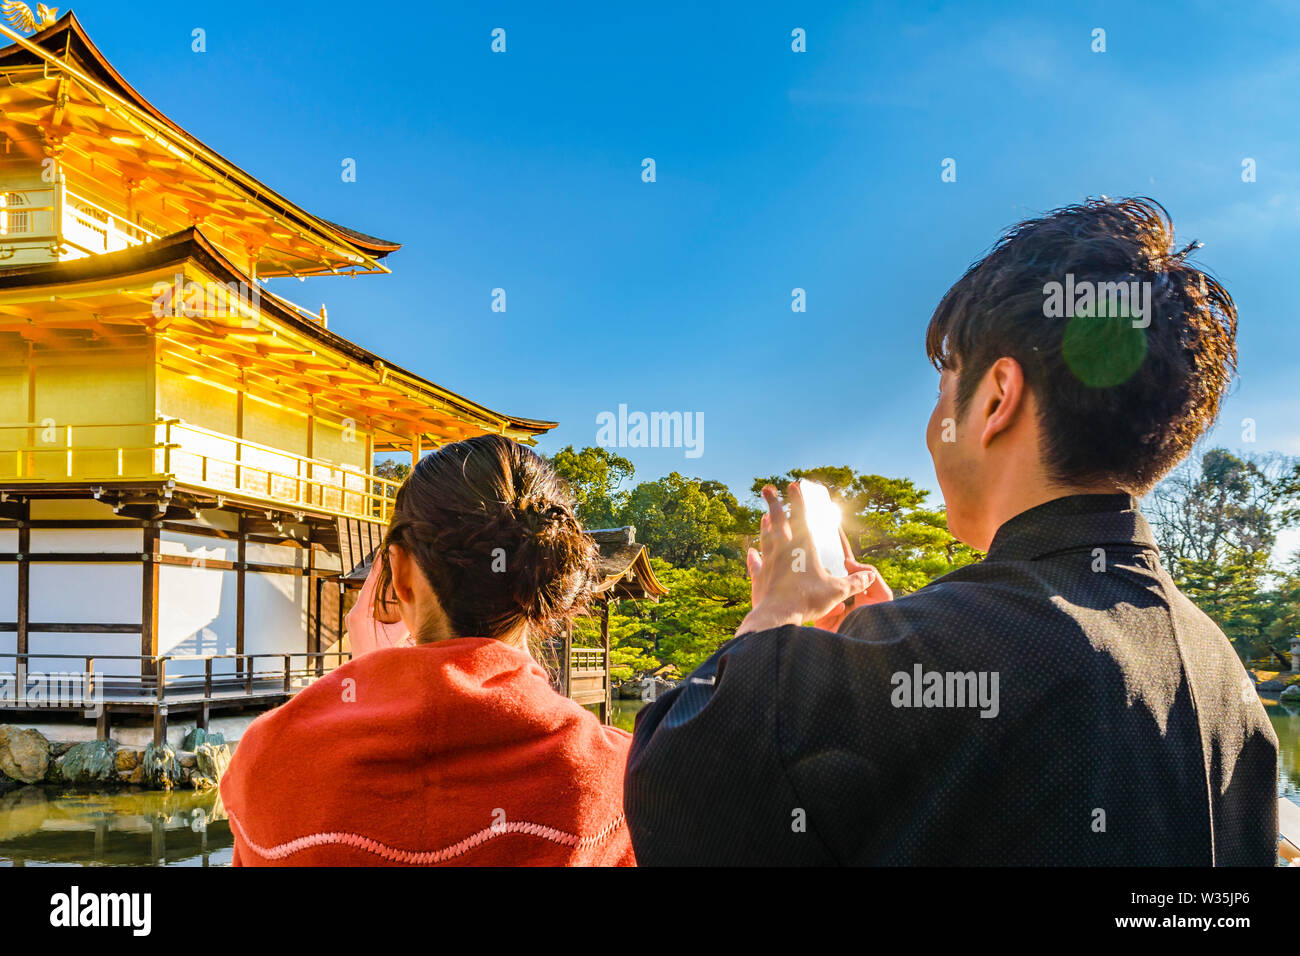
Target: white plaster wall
(66,591)
(8,592)
(198,547)
(93,541)
(196,615)
(275,619)
(283,555)
(85,593)
(82,644)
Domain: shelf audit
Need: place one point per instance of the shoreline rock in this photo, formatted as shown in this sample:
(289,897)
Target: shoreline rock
(24,754)
(28,759)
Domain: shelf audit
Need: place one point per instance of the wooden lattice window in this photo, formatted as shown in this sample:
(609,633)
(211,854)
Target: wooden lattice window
(12,219)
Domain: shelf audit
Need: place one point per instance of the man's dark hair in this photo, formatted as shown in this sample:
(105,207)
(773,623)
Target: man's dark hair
(1118,402)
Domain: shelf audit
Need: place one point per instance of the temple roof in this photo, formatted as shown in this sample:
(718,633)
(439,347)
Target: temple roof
(624,565)
(289,349)
(101,126)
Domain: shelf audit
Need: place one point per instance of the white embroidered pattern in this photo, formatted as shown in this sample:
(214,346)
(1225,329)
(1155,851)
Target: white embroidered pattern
(424,857)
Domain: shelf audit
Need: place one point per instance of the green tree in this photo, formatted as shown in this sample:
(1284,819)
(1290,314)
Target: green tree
(594,477)
(392,470)
(1216,520)
(682,520)
(1284,601)
(701,611)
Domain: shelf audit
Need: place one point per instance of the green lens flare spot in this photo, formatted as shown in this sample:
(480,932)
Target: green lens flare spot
(1103,351)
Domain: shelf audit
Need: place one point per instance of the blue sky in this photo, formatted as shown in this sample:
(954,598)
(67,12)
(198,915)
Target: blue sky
(775,170)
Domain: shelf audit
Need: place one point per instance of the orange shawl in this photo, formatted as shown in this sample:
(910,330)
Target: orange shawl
(456,752)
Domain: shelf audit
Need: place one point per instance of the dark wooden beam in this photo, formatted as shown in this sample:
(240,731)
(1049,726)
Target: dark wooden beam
(24,597)
(606,706)
(149,598)
(241,558)
(69,628)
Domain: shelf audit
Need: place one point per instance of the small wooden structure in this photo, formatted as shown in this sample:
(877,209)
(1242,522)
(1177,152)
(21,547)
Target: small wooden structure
(625,572)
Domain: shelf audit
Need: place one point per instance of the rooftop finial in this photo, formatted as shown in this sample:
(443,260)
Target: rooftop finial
(22,19)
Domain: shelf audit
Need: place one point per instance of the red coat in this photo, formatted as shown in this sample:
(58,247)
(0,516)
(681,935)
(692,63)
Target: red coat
(455,752)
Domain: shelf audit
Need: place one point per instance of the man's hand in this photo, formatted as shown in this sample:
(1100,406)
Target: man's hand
(875,593)
(788,583)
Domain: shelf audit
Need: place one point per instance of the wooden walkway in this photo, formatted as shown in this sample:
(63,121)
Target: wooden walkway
(199,686)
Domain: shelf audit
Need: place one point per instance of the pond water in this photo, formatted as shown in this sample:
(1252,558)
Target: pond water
(46,826)
(51,827)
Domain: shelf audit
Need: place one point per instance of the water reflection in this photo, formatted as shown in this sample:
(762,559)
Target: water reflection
(1286,721)
(50,827)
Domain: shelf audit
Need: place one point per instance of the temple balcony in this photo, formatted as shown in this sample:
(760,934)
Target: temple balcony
(55,224)
(169,450)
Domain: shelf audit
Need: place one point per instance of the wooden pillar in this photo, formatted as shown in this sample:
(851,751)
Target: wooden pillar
(241,557)
(313,605)
(311,448)
(149,599)
(606,708)
(239,430)
(415,455)
(566,660)
(29,460)
(24,597)
(160,725)
(319,588)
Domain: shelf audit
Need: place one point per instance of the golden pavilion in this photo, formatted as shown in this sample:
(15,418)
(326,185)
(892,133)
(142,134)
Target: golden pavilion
(186,459)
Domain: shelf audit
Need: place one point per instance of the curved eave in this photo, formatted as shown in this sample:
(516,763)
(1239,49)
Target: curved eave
(65,42)
(190,244)
(639,567)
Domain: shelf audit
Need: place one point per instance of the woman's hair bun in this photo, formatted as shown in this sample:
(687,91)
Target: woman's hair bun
(497,537)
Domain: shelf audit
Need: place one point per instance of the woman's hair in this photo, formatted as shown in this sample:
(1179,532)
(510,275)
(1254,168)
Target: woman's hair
(492,527)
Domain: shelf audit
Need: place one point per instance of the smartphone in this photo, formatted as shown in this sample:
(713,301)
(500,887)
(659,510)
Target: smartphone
(824,518)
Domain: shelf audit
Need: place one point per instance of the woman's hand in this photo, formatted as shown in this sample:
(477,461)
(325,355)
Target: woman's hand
(390,613)
(788,583)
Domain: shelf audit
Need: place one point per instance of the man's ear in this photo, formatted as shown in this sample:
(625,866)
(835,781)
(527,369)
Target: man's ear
(1002,398)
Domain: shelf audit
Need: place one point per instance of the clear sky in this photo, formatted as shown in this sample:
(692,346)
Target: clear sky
(775,170)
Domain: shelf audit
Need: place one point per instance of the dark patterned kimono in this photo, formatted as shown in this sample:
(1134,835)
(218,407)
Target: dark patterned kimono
(1059,702)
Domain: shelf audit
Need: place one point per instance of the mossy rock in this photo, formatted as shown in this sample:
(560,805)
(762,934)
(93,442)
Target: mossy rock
(213,760)
(1291,694)
(91,761)
(198,737)
(24,754)
(161,768)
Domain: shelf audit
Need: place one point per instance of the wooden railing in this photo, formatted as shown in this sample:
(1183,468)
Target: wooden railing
(56,216)
(153,684)
(194,455)
(587,659)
